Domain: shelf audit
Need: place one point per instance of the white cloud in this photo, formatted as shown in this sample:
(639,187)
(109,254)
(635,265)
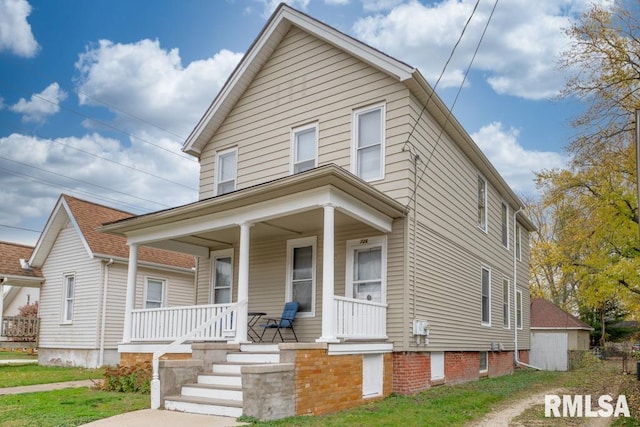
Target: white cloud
(337,2)
(516,164)
(377,5)
(15,31)
(41,105)
(28,194)
(518,55)
(142,80)
(270,5)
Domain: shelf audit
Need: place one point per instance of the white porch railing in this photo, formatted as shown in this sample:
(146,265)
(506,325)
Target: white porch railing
(360,319)
(168,324)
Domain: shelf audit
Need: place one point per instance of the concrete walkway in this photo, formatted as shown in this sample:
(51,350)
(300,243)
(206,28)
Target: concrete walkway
(142,418)
(19,362)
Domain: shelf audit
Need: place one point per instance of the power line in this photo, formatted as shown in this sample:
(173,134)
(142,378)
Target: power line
(450,110)
(73,190)
(20,228)
(107,125)
(57,141)
(83,182)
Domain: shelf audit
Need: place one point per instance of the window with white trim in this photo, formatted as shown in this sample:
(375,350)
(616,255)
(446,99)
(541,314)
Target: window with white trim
(221,277)
(301,274)
(506,320)
(484,361)
(518,247)
(367,269)
(154,293)
(304,148)
(227,171)
(69,285)
(367,156)
(519,309)
(505,225)
(486,296)
(482,203)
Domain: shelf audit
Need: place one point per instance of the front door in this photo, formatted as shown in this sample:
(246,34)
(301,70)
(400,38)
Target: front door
(221,277)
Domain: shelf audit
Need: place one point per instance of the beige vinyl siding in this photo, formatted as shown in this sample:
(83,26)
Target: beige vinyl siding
(69,256)
(180,292)
(267,277)
(304,81)
(451,249)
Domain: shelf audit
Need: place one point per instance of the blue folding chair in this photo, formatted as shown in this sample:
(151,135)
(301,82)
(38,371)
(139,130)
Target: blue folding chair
(283,322)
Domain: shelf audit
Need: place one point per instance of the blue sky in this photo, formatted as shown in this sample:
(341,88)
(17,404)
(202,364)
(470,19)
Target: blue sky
(97,97)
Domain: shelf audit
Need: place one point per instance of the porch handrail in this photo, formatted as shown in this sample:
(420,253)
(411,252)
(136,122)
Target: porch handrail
(360,319)
(20,327)
(155,363)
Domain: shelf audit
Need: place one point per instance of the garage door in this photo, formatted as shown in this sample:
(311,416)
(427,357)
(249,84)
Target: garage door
(549,351)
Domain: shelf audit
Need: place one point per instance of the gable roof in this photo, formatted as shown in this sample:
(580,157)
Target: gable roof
(12,268)
(546,315)
(282,19)
(85,217)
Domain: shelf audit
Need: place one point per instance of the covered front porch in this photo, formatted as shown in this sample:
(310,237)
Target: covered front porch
(320,237)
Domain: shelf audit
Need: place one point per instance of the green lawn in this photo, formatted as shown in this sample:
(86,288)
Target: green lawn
(14,376)
(67,407)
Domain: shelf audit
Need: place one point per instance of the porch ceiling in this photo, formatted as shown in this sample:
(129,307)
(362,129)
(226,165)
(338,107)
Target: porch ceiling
(291,205)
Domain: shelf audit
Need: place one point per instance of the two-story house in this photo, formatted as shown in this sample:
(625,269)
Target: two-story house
(332,175)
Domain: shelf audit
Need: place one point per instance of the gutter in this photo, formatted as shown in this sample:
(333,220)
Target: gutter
(515,299)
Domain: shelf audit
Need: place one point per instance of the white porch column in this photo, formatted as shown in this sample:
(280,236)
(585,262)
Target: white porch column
(328,315)
(130,300)
(243,282)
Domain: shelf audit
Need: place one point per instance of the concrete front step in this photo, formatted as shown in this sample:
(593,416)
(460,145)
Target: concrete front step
(262,357)
(200,405)
(220,379)
(233,393)
(259,348)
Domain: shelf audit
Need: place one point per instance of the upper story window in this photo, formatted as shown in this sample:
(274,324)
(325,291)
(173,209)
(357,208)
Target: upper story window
(69,289)
(367,153)
(517,243)
(154,295)
(304,148)
(486,296)
(482,203)
(227,171)
(505,225)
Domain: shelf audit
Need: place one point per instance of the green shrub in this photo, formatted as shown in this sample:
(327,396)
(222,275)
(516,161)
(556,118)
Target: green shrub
(128,379)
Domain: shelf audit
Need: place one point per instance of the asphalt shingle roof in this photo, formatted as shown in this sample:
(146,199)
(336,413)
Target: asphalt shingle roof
(545,314)
(10,255)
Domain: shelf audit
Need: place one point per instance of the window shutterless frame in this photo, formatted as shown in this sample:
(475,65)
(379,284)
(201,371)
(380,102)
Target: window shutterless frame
(482,203)
(485,301)
(226,171)
(301,274)
(68,297)
(304,148)
(519,309)
(504,213)
(368,142)
(155,291)
(506,297)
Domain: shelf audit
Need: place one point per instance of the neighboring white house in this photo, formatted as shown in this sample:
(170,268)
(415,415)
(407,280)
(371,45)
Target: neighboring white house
(82,298)
(554,335)
(19,285)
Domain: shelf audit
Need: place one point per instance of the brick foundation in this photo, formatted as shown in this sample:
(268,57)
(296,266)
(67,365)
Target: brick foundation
(411,372)
(461,366)
(130,359)
(327,384)
(500,363)
(523,356)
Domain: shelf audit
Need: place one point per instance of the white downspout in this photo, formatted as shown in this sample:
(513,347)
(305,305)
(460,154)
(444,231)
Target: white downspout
(515,297)
(103,325)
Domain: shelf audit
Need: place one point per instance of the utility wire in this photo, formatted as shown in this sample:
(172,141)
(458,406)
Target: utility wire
(73,190)
(450,110)
(57,141)
(433,90)
(84,182)
(20,228)
(107,125)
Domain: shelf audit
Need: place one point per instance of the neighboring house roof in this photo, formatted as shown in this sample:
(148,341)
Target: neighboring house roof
(267,41)
(86,217)
(14,268)
(546,315)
